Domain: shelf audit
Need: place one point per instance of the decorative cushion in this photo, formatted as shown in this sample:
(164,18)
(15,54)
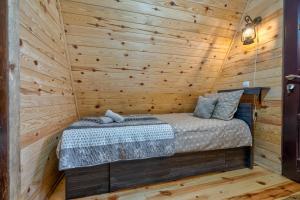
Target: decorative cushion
(205,107)
(227,104)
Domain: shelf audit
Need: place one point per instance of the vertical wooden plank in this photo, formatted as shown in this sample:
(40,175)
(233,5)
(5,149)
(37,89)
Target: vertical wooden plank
(3,104)
(14,98)
(9,101)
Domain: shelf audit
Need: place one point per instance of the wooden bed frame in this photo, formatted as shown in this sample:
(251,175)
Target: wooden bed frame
(111,177)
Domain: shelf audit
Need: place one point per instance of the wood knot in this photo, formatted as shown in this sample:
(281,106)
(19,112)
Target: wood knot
(12,67)
(261,182)
(165,193)
(172,3)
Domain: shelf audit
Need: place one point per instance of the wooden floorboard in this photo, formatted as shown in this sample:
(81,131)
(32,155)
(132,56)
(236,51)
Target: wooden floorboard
(243,184)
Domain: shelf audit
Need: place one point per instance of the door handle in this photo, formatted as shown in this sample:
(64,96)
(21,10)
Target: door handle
(291,77)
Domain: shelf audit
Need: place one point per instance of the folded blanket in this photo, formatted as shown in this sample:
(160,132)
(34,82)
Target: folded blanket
(116,117)
(100,120)
(87,143)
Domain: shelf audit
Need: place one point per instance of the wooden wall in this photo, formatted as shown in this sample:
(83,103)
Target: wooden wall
(239,66)
(47,100)
(140,56)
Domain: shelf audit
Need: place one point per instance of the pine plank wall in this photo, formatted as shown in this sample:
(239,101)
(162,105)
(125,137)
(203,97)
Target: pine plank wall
(239,66)
(137,56)
(47,102)
(141,56)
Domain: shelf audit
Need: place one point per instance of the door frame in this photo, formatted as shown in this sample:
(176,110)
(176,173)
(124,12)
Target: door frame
(9,100)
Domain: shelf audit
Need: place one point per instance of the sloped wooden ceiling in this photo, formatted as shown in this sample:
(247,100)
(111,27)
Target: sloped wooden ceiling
(139,56)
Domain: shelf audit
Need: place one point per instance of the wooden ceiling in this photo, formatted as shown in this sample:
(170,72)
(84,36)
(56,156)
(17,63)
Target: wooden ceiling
(139,56)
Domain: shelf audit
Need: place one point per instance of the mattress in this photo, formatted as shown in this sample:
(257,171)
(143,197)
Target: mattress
(196,134)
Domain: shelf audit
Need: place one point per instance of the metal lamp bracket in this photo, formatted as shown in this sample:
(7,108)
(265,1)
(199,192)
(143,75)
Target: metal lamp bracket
(254,21)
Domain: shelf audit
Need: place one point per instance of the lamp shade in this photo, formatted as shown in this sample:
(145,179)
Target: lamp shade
(248,34)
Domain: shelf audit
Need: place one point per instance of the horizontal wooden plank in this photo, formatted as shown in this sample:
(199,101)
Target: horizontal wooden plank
(218,44)
(142,47)
(164,28)
(129,8)
(206,8)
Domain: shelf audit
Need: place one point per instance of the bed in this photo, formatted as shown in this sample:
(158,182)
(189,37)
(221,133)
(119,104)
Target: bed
(201,145)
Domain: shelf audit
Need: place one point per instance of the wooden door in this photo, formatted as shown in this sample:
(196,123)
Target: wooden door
(291,91)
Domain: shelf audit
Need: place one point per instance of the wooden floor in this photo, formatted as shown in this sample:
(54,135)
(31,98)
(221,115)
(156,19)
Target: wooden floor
(256,184)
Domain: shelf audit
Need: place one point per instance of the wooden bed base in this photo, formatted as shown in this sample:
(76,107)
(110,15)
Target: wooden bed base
(111,177)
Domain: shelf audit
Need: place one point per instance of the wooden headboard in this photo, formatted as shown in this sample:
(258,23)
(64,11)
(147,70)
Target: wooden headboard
(245,113)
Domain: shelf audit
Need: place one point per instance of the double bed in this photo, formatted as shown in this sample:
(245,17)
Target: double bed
(200,146)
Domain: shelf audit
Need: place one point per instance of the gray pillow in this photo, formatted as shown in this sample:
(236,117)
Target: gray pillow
(205,107)
(227,104)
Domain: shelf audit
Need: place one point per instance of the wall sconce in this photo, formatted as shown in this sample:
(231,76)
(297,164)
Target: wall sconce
(249,32)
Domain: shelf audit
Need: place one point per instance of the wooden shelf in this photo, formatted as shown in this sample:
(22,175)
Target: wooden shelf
(260,92)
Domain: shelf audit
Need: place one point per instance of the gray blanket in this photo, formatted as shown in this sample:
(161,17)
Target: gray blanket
(89,143)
